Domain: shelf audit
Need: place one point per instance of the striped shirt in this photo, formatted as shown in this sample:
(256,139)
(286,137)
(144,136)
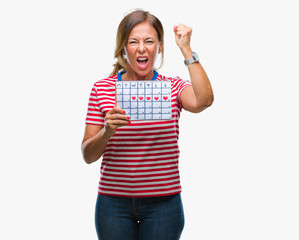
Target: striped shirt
(140,159)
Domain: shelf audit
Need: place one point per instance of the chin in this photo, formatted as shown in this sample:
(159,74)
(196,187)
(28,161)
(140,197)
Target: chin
(143,72)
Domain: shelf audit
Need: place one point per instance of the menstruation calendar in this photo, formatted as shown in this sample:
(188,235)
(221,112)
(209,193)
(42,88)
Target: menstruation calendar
(145,100)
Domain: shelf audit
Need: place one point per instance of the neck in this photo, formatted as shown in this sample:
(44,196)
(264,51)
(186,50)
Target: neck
(131,75)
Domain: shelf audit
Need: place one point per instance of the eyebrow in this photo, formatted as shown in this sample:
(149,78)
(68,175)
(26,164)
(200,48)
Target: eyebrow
(131,39)
(148,38)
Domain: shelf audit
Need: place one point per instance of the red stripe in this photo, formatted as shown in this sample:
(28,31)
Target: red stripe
(141,133)
(140,181)
(109,95)
(144,149)
(141,191)
(111,145)
(105,85)
(107,103)
(139,176)
(93,108)
(145,165)
(139,171)
(145,139)
(153,123)
(142,160)
(93,100)
(95,120)
(141,155)
(94,114)
(144,129)
(139,186)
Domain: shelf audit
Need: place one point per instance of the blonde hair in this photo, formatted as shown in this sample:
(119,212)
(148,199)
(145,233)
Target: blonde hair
(124,29)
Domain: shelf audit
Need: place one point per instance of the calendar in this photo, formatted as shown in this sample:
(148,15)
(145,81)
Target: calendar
(145,100)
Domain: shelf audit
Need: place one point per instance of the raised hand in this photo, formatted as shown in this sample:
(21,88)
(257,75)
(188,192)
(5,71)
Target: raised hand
(182,36)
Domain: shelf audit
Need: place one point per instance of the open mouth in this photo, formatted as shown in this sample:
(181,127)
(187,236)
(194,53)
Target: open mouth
(142,62)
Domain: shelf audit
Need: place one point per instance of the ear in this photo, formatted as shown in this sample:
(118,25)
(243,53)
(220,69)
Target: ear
(160,48)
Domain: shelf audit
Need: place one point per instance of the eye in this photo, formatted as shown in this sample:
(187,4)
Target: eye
(132,42)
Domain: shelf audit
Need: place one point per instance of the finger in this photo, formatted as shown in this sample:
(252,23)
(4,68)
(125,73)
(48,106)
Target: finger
(117,110)
(175,28)
(181,27)
(116,116)
(180,31)
(117,123)
(184,28)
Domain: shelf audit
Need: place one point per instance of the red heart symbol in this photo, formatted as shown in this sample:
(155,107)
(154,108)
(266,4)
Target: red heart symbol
(165,98)
(133,98)
(148,98)
(156,98)
(141,98)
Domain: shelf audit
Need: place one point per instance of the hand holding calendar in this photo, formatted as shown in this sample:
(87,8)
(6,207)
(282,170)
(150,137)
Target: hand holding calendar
(114,119)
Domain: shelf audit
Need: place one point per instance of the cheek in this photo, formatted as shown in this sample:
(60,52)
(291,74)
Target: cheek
(130,50)
(152,50)
(154,53)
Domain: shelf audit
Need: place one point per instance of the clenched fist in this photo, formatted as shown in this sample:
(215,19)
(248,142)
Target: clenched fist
(182,36)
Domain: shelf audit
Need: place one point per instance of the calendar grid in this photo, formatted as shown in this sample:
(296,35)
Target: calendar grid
(145,100)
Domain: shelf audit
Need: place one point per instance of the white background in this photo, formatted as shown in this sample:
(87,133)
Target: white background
(239,162)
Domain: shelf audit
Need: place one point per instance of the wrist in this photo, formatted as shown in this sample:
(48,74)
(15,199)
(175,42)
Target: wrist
(193,59)
(107,133)
(187,52)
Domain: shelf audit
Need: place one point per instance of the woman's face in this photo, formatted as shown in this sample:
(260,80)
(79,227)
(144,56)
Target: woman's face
(141,49)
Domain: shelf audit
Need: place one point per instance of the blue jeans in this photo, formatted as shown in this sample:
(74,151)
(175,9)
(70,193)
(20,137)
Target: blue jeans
(150,218)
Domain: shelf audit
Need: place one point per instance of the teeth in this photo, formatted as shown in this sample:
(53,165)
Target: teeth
(142,59)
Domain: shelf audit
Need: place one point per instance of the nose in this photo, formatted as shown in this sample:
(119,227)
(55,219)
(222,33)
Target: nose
(141,47)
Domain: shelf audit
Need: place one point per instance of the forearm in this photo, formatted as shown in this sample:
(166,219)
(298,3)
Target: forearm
(94,147)
(200,82)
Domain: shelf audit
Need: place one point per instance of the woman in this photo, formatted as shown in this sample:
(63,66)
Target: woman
(139,189)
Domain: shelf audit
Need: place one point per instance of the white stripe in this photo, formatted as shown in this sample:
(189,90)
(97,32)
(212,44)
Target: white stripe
(96,118)
(94,122)
(143,142)
(142,183)
(94,111)
(174,145)
(142,136)
(141,174)
(140,152)
(142,163)
(107,100)
(132,131)
(93,102)
(150,126)
(140,168)
(101,84)
(142,178)
(108,106)
(111,158)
